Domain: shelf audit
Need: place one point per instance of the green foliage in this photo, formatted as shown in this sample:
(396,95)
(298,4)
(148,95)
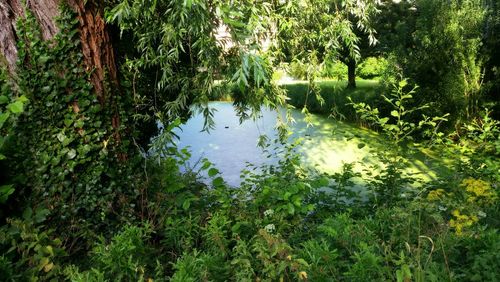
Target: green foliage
(335,96)
(64,148)
(284,222)
(398,127)
(30,250)
(297,70)
(327,27)
(124,257)
(10,108)
(335,70)
(372,67)
(445,58)
(182,48)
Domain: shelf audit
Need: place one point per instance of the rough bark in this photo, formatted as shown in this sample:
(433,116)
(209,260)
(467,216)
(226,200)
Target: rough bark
(96,43)
(45,12)
(351,73)
(97,47)
(7,35)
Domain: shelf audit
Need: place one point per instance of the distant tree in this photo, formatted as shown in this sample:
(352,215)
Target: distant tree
(326,28)
(491,47)
(438,46)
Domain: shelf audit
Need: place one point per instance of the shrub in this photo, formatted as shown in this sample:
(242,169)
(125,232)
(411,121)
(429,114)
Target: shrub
(335,70)
(372,67)
(297,70)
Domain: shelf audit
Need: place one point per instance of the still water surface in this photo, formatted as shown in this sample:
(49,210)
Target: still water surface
(326,145)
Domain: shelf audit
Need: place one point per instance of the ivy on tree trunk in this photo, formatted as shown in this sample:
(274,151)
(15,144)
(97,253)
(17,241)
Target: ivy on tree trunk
(96,44)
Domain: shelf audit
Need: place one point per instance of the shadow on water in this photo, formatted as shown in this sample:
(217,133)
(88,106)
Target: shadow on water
(327,145)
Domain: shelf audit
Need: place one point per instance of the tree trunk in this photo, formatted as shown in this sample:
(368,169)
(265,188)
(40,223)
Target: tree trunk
(7,35)
(96,44)
(97,47)
(351,73)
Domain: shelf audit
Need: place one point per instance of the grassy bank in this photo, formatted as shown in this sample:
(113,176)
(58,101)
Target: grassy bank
(335,94)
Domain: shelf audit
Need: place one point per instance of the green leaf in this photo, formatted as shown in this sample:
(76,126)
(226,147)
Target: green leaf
(16,107)
(5,192)
(41,215)
(383,121)
(27,213)
(186,204)
(188,3)
(71,154)
(236,227)
(43,59)
(3,118)
(206,164)
(4,100)
(61,137)
(323,181)
(217,182)
(213,172)
(361,145)
(394,113)
(297,200)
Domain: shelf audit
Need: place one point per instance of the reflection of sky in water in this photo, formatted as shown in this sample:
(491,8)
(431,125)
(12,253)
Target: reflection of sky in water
(326,145)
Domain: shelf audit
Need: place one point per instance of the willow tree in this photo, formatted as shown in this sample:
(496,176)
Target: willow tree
(74,143)
(314,30)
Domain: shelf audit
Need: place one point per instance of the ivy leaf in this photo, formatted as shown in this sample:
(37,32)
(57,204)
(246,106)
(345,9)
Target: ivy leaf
(4,100)
(5,192)
(61,137)
(71,154)
(41,215)
(43,60)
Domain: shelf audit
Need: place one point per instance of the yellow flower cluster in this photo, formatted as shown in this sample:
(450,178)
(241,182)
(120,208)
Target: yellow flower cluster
(479,190)
(435,195)
(461,221)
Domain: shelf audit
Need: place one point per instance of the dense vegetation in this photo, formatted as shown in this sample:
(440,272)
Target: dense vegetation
(92,189)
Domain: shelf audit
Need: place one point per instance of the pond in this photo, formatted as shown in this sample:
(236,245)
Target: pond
(326,145)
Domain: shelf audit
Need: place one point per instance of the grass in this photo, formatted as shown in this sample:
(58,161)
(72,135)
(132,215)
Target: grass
(335,94)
